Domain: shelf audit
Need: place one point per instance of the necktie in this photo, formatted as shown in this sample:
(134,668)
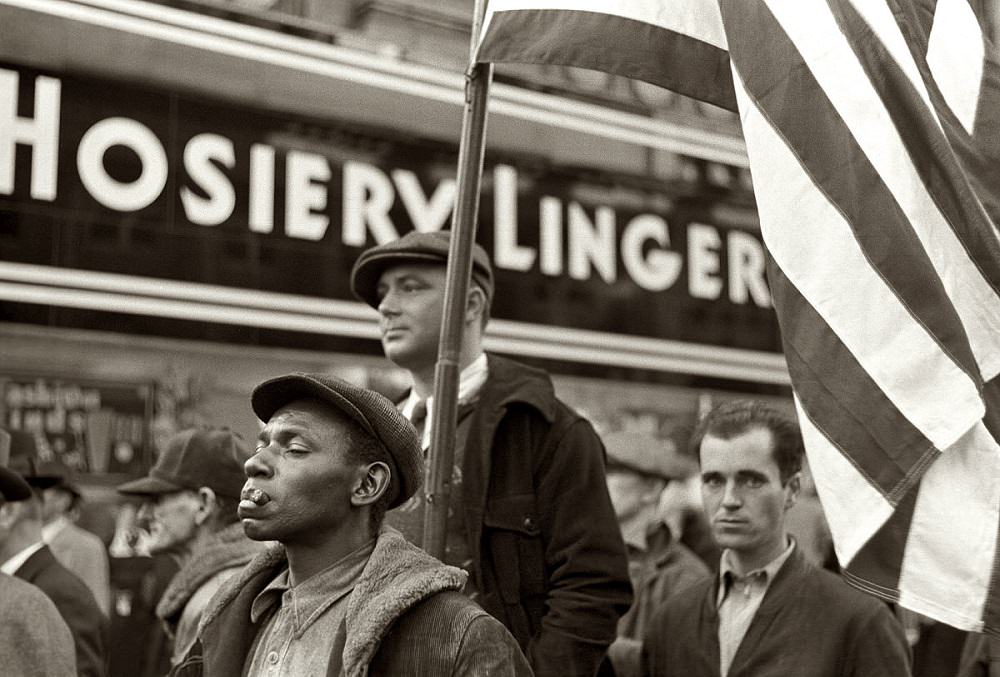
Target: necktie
(419,417)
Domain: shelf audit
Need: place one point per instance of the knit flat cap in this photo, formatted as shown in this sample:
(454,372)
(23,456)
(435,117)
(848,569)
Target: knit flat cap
(646,455)
(373,412)
(195,458)
(414,247)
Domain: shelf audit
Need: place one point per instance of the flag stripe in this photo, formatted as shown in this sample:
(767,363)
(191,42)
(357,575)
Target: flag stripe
(972,285)
(876,568)
(617,44)
(957,511)
(841,398)
(854,510)
(955,60)
(853,99)
(821,256)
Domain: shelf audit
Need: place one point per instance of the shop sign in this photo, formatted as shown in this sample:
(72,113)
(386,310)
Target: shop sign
(301,199)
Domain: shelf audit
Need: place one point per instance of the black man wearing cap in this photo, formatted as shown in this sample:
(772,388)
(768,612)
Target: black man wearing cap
(339,594)
(34,641)
(534,525)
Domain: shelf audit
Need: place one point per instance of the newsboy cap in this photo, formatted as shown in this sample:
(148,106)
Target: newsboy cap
(376,415)
(646,455)
(414,247)
(195,458)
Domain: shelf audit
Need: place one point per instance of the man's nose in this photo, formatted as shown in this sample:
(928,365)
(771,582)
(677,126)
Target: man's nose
(257,465)
(731,496)
(387,304)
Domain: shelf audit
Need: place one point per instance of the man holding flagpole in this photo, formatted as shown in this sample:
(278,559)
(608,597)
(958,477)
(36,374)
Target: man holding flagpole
(531,518)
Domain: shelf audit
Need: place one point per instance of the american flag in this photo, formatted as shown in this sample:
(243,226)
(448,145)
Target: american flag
(873,133)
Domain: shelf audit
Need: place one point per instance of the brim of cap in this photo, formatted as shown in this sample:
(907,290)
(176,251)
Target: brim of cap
(13,486)
(42,481)
(364,278)
(148,486)
(270,396)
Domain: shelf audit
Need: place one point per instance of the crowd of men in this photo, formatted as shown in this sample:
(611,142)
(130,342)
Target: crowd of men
(567,552)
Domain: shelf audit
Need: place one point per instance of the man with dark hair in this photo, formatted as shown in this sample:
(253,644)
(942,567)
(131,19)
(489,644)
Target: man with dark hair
(34,639)
(530,518)
(769,612)
(190,499)
(338,594)
(23,554)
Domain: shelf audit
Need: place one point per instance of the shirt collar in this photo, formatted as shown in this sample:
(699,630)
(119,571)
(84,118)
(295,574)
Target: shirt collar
(765,574)
(53,528)
(308,599)
(11,566)
(470,382)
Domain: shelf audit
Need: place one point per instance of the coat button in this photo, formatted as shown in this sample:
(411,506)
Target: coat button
(272,657)
(529,523)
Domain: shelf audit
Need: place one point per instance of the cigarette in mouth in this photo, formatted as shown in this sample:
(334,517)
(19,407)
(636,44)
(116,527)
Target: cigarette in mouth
(256,495)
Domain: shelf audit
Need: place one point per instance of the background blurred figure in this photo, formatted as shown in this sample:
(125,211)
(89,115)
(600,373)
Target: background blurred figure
(25,555)
(806,523)
(980,656)
(640,468)
(191,497)
(34,639)
(77,549)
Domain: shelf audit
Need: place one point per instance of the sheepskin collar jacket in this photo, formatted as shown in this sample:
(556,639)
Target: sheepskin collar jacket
(405,616)
(228,548)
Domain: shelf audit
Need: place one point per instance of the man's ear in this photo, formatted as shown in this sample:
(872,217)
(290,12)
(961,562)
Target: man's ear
(792,488)
(475,304)
(373,483)
(206,505)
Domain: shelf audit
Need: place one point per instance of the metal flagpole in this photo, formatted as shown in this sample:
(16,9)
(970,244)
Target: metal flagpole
(447,370)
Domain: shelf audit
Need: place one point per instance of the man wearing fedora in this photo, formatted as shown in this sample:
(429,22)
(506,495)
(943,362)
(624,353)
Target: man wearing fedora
(24,554)
(34,639)
(190,497)
(77,549)
(531,520)
(339,594)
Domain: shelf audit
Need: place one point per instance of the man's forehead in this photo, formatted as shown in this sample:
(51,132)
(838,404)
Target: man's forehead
(750,450)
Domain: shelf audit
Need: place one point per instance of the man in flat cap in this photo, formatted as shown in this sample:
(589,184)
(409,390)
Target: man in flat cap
(339,594)
(190,499)
(34,639)
(532,521)
(640,467)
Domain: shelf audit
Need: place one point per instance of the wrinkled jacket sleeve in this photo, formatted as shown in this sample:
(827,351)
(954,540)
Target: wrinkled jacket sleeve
(588,587)
(487,649)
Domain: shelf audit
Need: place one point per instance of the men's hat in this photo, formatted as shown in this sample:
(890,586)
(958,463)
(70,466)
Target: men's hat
(24,461)
(373,412)
(646,455)
(414,247)
(12,486)
(195,458)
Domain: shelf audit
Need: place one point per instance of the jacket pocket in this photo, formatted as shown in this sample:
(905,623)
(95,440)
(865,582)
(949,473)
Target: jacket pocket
(515,540)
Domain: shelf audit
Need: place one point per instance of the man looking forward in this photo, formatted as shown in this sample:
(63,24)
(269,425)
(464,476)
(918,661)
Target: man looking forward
(769,612)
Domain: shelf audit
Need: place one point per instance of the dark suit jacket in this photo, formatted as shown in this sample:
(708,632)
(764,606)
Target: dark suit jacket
(810,623)
(77,606)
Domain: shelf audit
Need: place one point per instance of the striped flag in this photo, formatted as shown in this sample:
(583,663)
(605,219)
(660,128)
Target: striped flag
(873,133)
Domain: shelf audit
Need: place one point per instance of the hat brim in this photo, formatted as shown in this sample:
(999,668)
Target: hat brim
(364,279)
(149,486)
(13,486)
